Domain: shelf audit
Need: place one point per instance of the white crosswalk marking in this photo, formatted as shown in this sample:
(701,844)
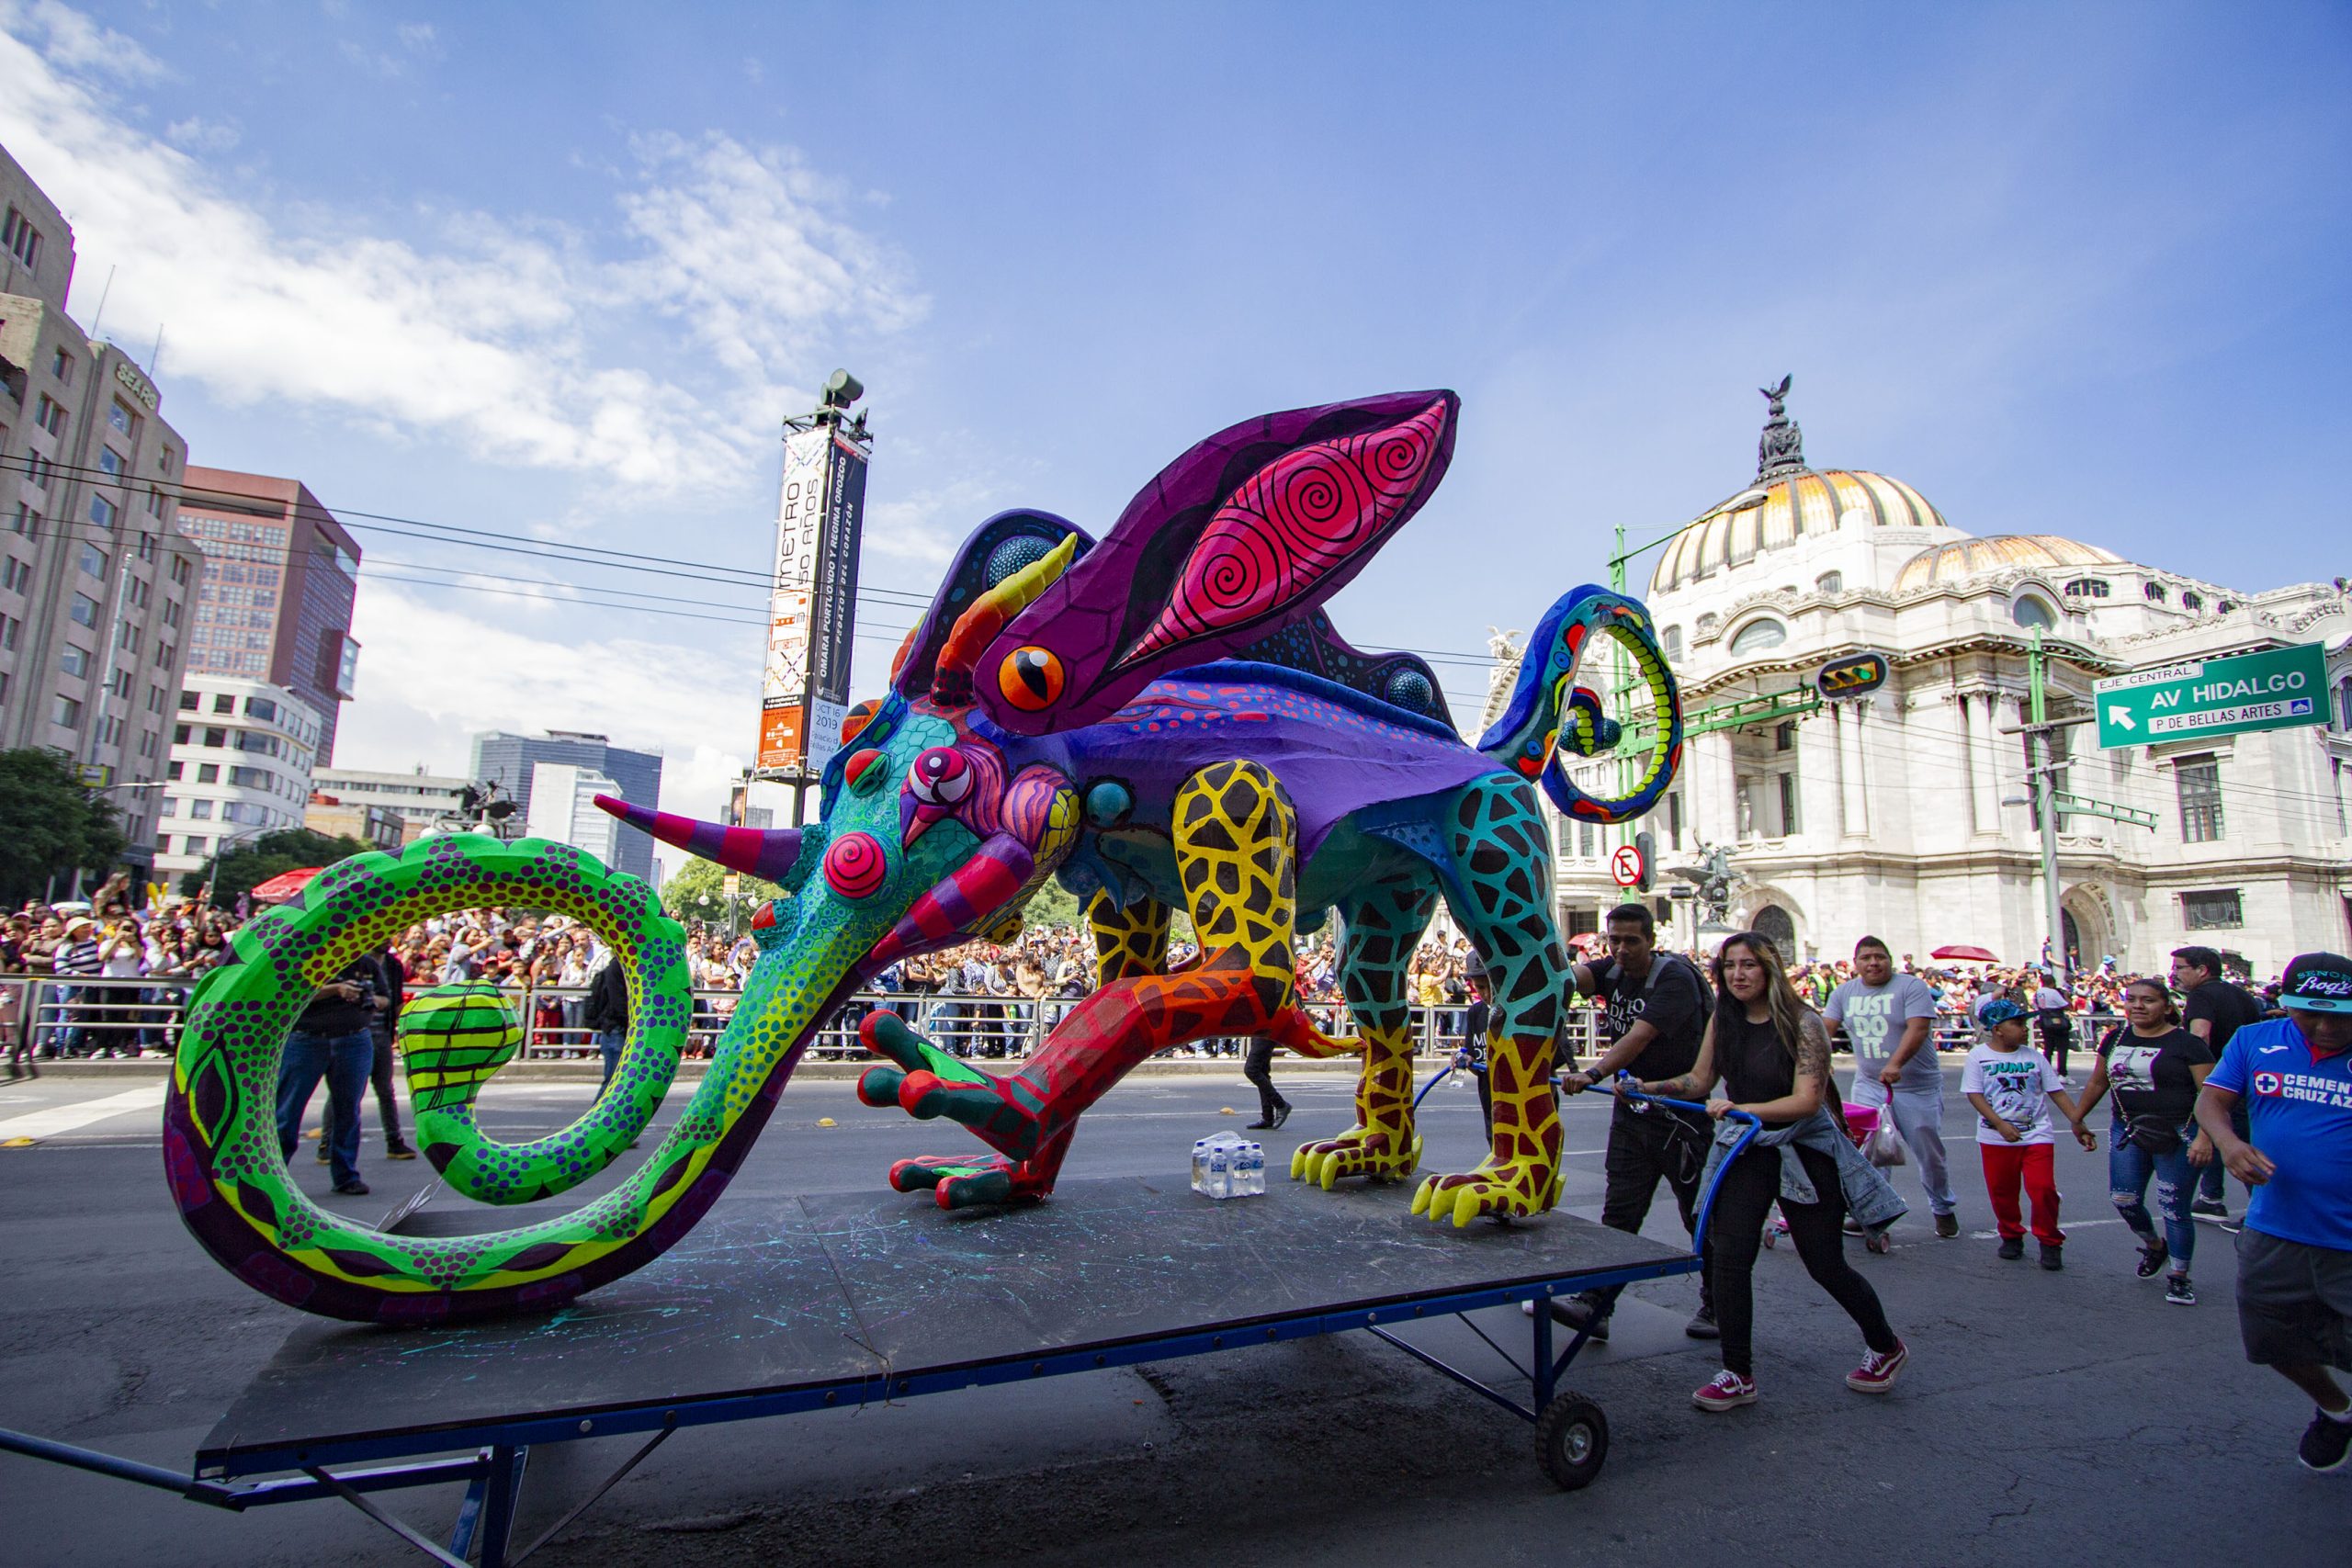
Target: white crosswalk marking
(67,1118)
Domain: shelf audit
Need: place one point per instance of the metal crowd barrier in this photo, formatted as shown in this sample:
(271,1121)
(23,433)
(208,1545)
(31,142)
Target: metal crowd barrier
(94,1015)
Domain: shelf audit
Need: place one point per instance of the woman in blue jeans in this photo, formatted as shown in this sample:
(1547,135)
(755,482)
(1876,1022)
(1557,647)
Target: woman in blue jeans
(2155,1068)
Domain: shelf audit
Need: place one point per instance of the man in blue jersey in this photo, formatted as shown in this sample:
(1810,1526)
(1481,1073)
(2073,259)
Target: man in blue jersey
(2293,1075)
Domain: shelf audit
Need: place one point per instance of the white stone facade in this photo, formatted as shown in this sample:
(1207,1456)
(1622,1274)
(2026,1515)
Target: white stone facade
(1886,814)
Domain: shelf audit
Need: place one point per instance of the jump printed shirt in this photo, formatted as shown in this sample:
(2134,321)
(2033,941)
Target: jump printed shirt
(2017,1085)
(2299,1110)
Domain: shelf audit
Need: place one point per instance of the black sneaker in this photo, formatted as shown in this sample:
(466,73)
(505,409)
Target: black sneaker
(399,1151)
(1577,1312)
(2178,1293)
(2153,1256)
(354,1188)
(1852,1226)
(1947,1226)
(2052,1257)
(1281,1114)
(1703,1325)
(2209,1209)
(2013,1246)
(2327,1442)
(324,1151)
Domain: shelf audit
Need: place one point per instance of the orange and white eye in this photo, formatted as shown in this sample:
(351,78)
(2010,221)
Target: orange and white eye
(940,776)
(1031,679)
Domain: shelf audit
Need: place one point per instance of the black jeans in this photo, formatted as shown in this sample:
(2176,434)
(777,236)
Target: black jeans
(1736,1232)
(1645,1148)
(1258,1068)
(387,1104)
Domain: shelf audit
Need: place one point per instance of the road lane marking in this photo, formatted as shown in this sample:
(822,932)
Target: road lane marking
(66,1118)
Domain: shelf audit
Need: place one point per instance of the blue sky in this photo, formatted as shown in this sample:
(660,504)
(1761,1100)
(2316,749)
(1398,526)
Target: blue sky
(560,271)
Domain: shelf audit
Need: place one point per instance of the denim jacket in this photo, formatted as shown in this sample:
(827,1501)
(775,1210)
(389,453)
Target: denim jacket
(1869,1198)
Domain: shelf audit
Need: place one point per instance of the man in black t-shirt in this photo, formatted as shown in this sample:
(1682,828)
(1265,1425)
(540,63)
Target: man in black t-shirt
(1654,1014)
(2213,1009)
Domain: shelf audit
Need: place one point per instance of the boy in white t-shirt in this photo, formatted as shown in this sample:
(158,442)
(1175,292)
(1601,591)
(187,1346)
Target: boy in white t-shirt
(2012,1085)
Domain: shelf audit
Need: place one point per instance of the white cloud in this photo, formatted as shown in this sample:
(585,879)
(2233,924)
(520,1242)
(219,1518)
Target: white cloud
(77,43)
(430,678)
(418,38)
(200,135)
(464,329)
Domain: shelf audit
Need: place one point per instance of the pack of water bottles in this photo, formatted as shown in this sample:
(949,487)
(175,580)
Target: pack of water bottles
(1226,1166)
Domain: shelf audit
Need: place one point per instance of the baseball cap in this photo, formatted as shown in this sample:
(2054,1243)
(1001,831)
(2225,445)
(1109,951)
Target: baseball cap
(2318,982)
(1999,1011)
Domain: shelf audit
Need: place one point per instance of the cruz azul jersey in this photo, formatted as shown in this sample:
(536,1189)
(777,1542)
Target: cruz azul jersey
(2299,1110)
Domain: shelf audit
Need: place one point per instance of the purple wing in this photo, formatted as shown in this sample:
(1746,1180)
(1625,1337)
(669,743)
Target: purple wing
(1241,536)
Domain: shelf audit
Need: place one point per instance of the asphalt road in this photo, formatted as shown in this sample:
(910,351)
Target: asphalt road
(2067,1418)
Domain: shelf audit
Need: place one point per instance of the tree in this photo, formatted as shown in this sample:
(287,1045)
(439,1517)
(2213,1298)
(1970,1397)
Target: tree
(248,865)
(49,824)
(1053,905)
(698,892)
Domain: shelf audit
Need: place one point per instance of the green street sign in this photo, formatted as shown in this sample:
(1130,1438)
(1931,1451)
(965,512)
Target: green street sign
(2275,689)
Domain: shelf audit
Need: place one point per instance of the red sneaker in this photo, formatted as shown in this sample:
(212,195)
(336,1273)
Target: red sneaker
(1726,1391)
(1877,1373)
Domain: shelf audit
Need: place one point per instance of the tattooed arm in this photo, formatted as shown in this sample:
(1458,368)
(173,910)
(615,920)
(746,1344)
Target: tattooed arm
(1694,1084)
(1812,1075)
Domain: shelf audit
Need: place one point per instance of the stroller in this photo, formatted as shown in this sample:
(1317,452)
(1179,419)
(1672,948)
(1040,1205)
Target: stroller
(1861,1121)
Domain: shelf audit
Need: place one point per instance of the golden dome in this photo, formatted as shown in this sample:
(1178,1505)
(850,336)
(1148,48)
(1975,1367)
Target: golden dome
(1805,504)
(2003,552)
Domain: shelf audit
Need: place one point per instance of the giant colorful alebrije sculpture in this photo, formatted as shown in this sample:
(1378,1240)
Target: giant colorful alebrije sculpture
(1163,719)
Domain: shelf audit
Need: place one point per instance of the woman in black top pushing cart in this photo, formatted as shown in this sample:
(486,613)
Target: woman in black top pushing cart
(1770,1054)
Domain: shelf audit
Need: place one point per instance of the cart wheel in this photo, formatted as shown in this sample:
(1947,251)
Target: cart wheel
(1572,1441)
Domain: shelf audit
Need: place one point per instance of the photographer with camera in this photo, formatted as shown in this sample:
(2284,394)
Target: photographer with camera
(333,1039)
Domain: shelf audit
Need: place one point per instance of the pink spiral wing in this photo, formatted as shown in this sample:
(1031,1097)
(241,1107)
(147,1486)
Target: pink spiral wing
(1288,525)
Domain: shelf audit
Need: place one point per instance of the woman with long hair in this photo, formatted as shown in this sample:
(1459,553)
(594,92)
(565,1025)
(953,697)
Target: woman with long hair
(1771,1054)
(2156,1067)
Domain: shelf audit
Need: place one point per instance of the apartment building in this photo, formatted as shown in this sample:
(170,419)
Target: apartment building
(97,579)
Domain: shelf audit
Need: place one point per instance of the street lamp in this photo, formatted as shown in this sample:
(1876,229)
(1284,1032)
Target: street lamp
(220,848)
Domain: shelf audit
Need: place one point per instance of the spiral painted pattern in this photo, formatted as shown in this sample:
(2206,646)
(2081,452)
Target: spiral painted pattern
(855,866)
(1289,525)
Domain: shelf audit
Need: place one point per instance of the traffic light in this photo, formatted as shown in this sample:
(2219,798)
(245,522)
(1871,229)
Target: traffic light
(1645,845)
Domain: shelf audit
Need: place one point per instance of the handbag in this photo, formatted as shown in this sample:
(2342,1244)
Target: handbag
(2153,1133)
(1882,1145)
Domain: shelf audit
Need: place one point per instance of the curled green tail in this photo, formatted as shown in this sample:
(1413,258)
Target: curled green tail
(228,1172)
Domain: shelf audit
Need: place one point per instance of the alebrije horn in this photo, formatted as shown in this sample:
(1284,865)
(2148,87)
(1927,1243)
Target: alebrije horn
(763,852)
(951,680)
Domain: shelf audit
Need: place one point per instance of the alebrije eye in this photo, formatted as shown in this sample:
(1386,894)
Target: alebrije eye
(1031,679)
(864,771)
(940,776)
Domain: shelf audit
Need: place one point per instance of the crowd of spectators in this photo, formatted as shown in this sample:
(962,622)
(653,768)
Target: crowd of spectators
(982,1000)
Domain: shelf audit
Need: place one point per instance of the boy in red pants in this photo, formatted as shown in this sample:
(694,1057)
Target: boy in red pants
(2013,1086)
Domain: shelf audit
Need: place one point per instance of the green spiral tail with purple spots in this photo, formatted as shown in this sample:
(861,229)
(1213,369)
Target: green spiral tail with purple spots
(230,1177)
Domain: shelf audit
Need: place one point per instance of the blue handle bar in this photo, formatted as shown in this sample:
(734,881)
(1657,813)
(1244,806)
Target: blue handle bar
(1747,1136)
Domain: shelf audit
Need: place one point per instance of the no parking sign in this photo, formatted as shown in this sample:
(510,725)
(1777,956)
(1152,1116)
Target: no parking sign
(1625,866)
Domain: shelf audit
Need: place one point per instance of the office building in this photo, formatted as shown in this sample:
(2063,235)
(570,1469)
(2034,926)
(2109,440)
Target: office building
(563,808)
(420,799)
(241,753)
(277,602)
(97,579)
(509,760)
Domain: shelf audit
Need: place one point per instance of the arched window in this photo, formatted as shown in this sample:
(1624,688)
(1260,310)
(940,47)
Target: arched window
(2343,704)
(1758,636)
(1831,582)
(2156,593)
(2032,610)
(1671,641)
(2086,588)
(2192,599)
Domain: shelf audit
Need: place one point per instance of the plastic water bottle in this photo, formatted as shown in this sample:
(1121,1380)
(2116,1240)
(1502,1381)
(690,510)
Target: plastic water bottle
(1200,1165)
(1257,1170)
(1220,1185)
